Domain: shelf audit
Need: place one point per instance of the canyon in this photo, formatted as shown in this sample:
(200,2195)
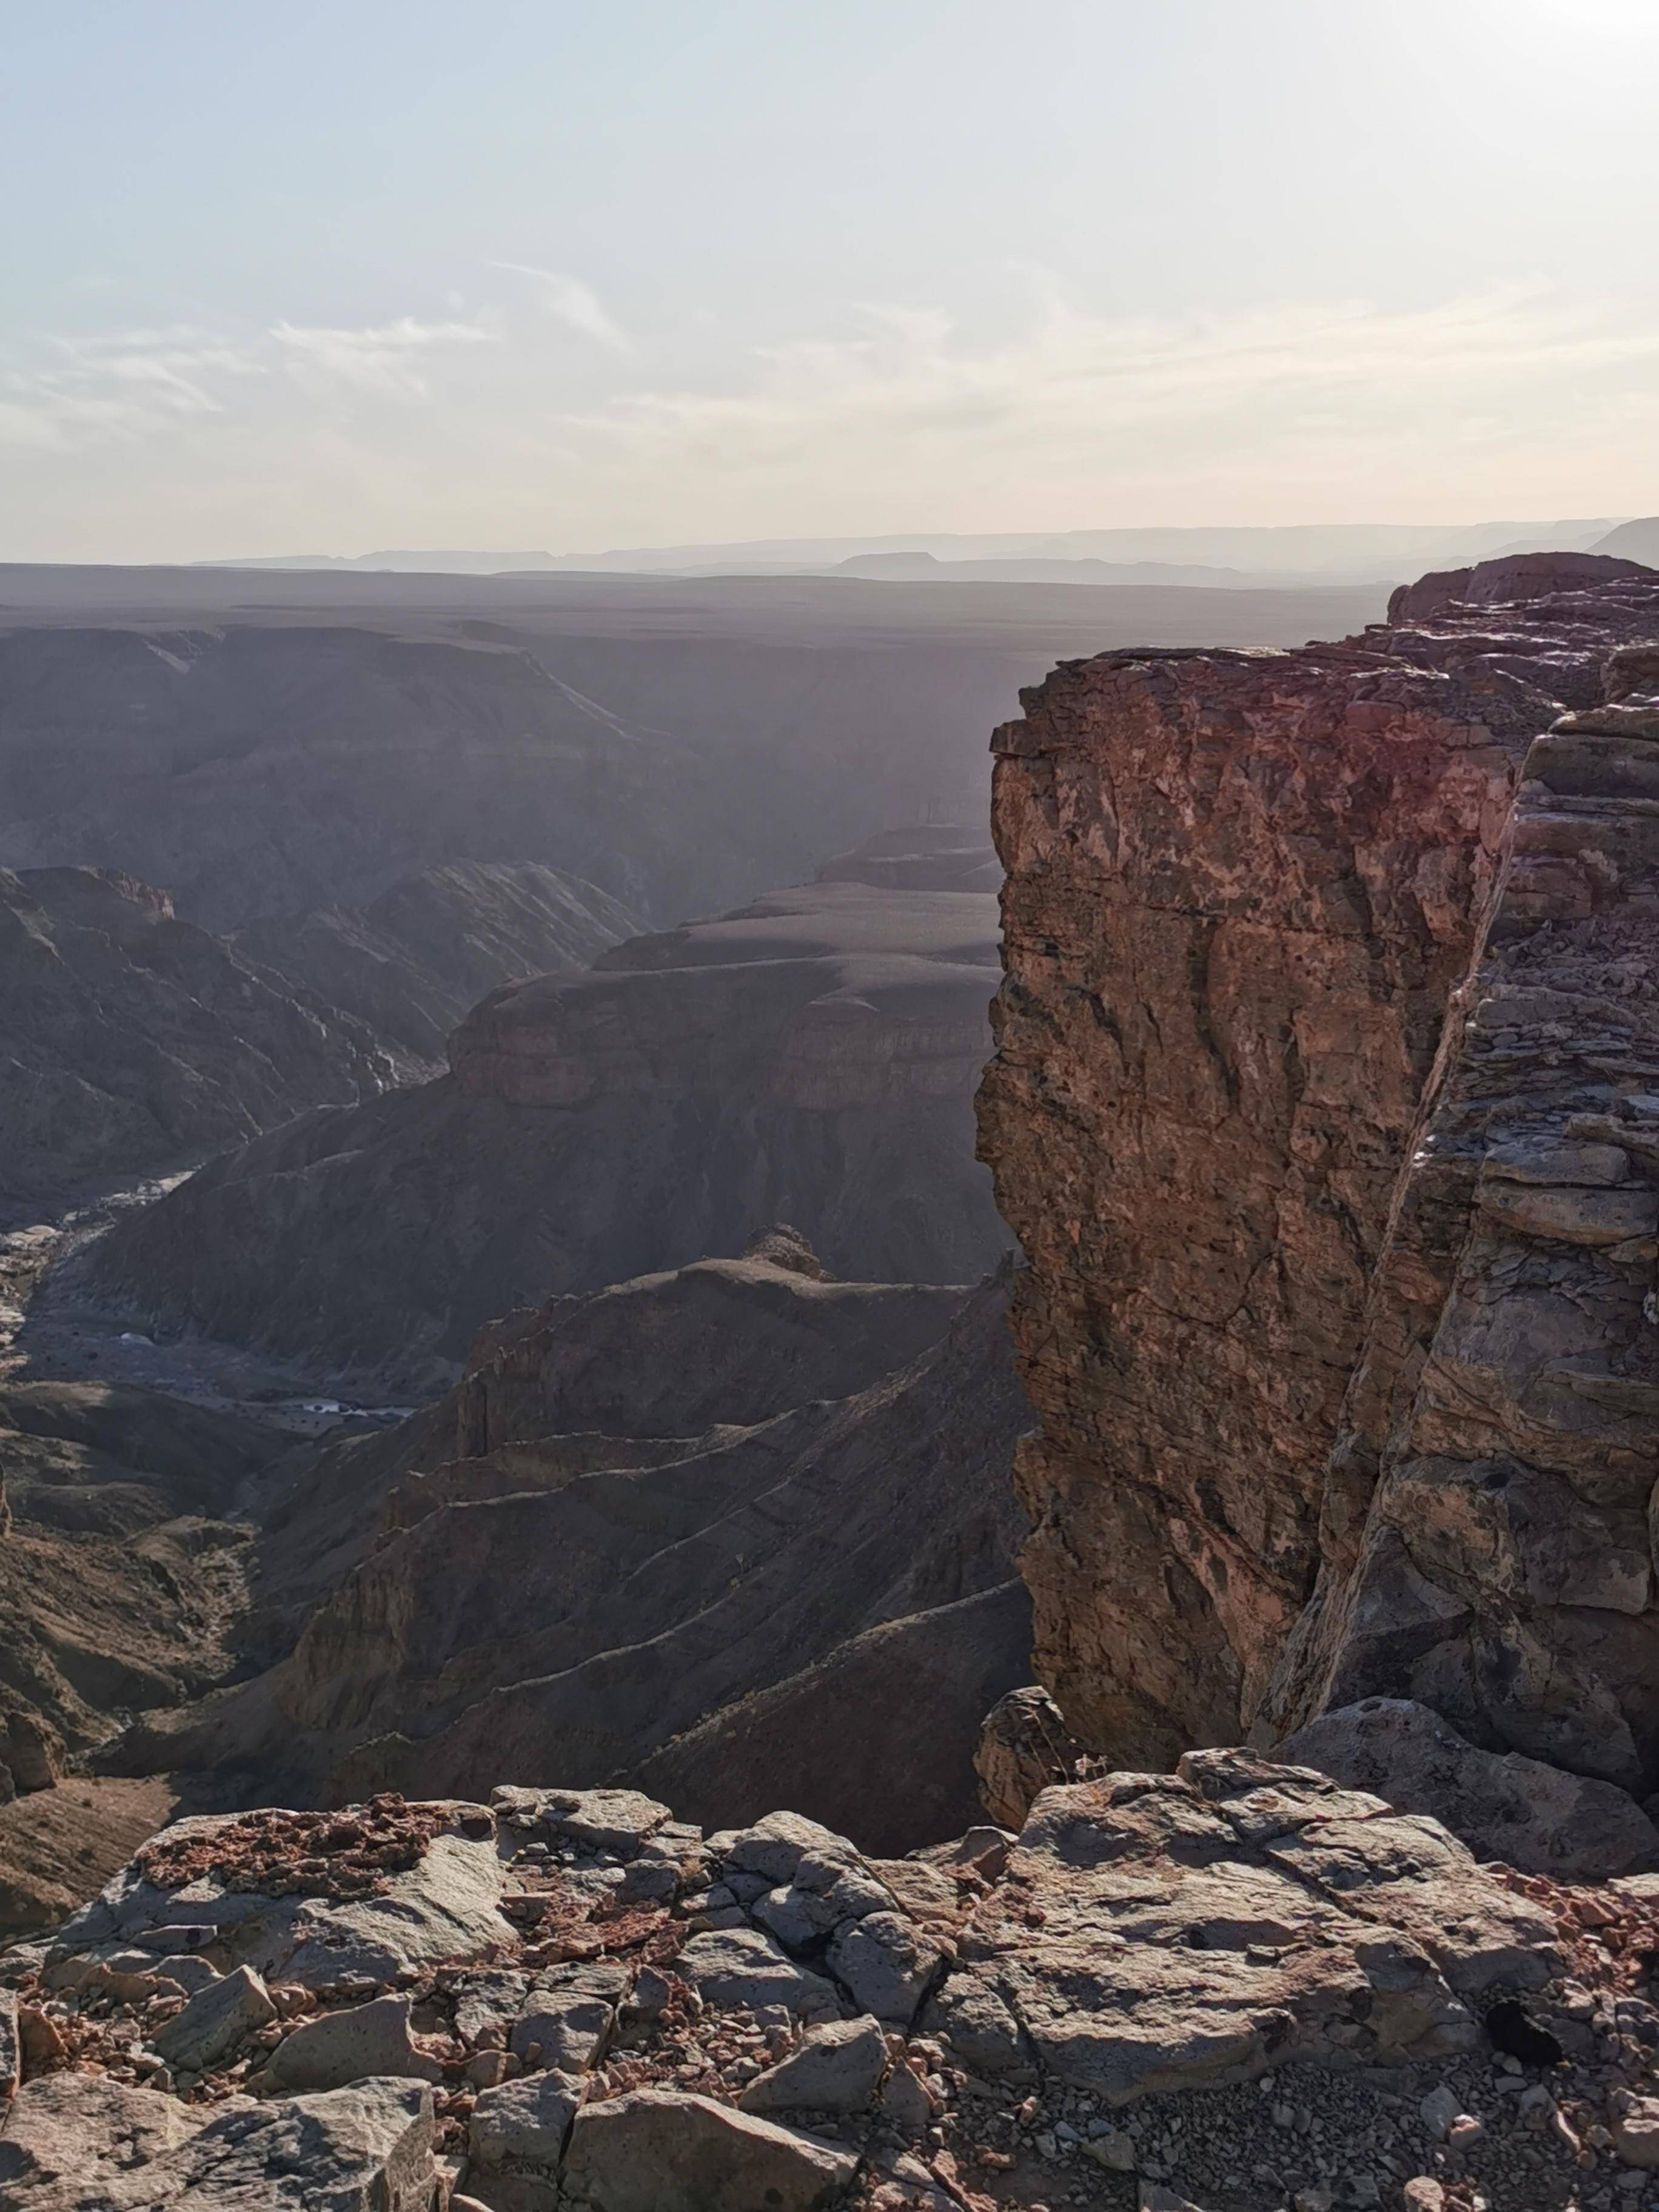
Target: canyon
(810,1058)
(1300,1451)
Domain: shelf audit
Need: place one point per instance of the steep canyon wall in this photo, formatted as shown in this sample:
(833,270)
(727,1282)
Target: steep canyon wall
(1322,1109)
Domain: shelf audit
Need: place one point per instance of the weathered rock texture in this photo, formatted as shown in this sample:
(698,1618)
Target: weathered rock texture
(570,1997)
(1326,1107)
(811,1058)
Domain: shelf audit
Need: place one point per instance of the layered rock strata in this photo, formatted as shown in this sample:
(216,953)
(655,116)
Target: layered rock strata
(1324,1055)
(735,1529)
(566,1997)
(810,1058)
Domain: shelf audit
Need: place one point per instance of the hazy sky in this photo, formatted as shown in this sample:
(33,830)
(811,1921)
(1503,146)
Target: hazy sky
(287,275)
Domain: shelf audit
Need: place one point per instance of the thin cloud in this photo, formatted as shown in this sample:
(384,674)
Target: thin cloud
(1083,409)
(379,357)
(572,303)
(118,383)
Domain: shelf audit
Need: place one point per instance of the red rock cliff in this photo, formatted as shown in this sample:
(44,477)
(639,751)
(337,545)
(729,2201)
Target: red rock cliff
(1266,1143)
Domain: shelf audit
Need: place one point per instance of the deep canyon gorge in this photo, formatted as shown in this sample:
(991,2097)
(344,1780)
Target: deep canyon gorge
(808,1657)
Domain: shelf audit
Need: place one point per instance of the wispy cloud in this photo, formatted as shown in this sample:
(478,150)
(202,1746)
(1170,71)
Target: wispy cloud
(65,391)
(115,383)
(567,300)
(1088,387)
(381,357)
(1506,401)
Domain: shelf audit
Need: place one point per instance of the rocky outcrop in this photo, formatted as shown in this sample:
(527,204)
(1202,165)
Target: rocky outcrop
(810,1058)
(1322,1068)
(1485,1546)
(700,1529)
(1236,1986)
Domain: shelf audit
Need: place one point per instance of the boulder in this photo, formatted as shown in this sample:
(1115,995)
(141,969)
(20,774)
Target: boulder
(1504,1806)
(77,2144)
(214,2021)
(339,2047)
(886,1962)
(616,1820)
(742,1968)
(31,1751)
(662,2151)
(775,1846)
(567,2016)
(1024,1747)
(835,2068)
(67,2134)
(1163,1932)
(524,2122)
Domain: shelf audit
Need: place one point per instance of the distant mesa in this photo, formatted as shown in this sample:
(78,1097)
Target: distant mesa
(921,567)
(1633,541)
(932,857)
(1519,577)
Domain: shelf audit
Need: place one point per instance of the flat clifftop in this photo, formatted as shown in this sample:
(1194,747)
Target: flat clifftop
(1232,1986)
(1328,974)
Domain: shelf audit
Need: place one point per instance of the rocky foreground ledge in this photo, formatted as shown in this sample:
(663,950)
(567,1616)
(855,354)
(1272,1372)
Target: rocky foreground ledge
(1239,1987)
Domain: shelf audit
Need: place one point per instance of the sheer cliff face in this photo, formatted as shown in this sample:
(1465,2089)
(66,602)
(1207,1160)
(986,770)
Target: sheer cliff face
(1243,892)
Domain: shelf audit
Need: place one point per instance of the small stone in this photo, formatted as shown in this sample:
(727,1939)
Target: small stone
(215,2021)
(1422,2193)
(1635,2133)
(835,2069)
(528,2120)
(340,2047)
(1439,2109)
(1113,2150)
(907,2106)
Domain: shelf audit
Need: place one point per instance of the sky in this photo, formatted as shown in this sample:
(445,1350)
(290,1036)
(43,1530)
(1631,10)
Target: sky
(328,276)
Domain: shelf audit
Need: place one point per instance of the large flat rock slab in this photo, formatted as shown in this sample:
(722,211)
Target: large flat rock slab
(1160,1932)
(76,2143)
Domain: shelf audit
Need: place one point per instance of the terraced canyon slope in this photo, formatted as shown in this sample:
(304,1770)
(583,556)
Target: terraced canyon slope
(1326,1053)
(735,1524)
(810,1058)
